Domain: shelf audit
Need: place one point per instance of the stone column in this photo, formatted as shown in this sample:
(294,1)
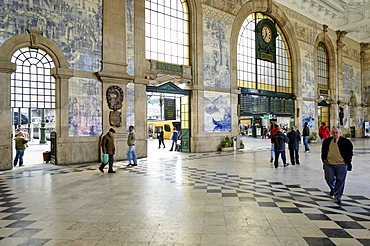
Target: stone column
(114,66)
(364,47)
(6,160)
(64,149)
(339,84)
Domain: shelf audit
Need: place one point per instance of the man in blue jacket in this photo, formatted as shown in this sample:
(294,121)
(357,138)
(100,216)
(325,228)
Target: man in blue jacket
(336,155)
(294,140)
(279,140)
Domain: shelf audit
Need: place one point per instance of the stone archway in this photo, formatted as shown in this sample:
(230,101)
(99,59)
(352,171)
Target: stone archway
(35,40)
(277,13)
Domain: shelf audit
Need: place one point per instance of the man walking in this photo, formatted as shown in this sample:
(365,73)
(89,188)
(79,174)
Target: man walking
(20,147)
(160,136)
(272,133)
(279,140)
(306,135)
(294,139)
(108,147)
(336,155)
(174,137)
(131,152)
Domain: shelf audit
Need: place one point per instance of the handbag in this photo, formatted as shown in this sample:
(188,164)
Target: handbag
(105,158)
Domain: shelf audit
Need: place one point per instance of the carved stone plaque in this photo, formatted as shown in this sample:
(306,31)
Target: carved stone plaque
(115,118)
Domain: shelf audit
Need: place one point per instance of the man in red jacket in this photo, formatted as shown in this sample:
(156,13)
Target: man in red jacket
(272,132)
(324,132)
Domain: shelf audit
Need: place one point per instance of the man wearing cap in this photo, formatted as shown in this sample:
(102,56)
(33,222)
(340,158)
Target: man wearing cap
(107,145)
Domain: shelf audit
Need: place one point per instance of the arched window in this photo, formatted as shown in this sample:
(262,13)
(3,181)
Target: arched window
(32,86)
(322,67)
(260,74)
(167,31)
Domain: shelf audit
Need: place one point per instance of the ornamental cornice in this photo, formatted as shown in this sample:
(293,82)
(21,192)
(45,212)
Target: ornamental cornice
(352,63)
(305,46)
(218,14)
(299,16)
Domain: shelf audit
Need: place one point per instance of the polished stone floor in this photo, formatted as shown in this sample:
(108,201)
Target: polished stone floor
(173,198)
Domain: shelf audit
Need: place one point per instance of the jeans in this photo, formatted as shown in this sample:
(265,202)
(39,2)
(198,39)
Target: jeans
(174,143)
(18,155)
(277,153)
(131,152)
(294,156)
(335,176)
(272,150)
(110,162)
(305,141)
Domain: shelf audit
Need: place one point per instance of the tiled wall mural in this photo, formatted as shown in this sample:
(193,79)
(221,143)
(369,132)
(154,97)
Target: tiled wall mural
(84,107)
(216,53)
(367,84)
(308,82)
(217,114)
(130,105)
(308,114)
(79,38)
(351,81)
(130,43)
(359,118)
(345,119)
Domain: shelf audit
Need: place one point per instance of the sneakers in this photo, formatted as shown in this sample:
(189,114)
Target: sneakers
(271,159)
(286,164)
(101,169)
(337,200)
(134,165)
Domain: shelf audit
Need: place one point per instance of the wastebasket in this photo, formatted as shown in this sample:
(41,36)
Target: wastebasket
(46,156)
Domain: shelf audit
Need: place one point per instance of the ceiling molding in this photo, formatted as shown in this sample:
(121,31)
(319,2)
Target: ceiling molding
(352,16)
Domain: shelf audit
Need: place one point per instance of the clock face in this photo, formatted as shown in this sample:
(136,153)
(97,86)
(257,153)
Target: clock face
(266,34)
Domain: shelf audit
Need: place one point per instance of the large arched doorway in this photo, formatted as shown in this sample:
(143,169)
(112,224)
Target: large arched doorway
(33,101)
(33,41)
(168,108)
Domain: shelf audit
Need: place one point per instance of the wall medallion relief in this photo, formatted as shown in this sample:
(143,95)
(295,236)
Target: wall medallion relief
(114,100)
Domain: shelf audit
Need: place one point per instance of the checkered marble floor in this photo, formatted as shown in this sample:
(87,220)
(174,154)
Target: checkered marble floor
(232,198)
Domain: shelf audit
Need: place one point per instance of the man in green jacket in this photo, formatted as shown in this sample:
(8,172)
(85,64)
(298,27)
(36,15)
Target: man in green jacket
(131,141)
(107,145)
(20,147)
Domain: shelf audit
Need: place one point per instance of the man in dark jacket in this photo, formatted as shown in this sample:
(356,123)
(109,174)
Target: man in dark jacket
(336,155)
(306,135)
(294,139)
(108,147)
(20,147)
(279,140)
(160,136)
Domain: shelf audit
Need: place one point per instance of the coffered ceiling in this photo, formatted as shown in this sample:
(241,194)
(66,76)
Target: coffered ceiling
(352,16)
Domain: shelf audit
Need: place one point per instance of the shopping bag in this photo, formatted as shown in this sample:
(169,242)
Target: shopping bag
(105,158)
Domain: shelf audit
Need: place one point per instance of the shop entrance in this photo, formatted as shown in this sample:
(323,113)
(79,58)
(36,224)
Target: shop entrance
(323,114)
